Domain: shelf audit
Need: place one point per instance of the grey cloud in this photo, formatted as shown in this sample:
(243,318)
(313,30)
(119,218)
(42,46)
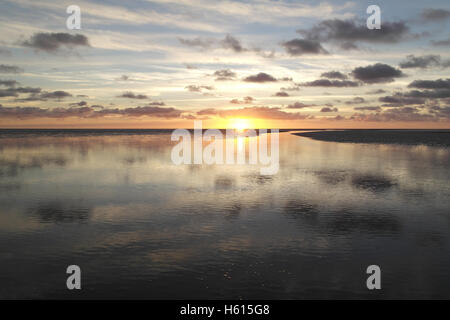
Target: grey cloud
(431,84)
(8,83)
(347,32)
(80,104)
(377,73)
(14,92)
(260,78)
(424,62)
(37,95)
(27,90)
(52,42)
(209,111)
(265,54)
(398,114)
(356,100)
(55,95)
(7,93)
(232,43)
(152,111)
(348,46)
(294,87)
(434,89)
(429,94)
(378,91)
(188,116)
(229,43)
(435,14)
(5,52)
(131,95)
(245,100)
(225,74)
(297,47)
(203,43)
(368,108)
(330,83)
(441,112)
(88,112)
(327,109)
(123,77)
(339,118)
(441,43)
(399,100)
(156,103)
(9,69)
(334,75)
(196,88)
(299,105)
(22,112)
(281,94)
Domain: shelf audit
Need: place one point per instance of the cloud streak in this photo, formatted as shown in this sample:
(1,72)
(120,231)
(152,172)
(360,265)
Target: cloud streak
(52,42)
(9,69)
(88,112)
(331,83)
(348,33)
(298,47)
(424,62)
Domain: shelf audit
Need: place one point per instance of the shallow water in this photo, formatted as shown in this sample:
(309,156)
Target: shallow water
(142,227)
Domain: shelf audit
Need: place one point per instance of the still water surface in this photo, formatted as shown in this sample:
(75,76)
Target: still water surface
(142,227)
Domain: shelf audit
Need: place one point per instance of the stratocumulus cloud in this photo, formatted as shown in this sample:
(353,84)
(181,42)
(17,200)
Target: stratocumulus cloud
(245,100)
(260,78)
(9,69)
(132,95)
(331,83)
(348,33)
(334,75)
(432,14)
(299,105)
(297,47)
(377,73)
(224,75)
(424,62)
(197,88)
(52,42)
(88,112)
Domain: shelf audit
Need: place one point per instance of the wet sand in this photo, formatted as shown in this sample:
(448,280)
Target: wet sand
(440,138)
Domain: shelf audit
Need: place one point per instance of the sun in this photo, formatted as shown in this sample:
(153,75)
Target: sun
(240,124)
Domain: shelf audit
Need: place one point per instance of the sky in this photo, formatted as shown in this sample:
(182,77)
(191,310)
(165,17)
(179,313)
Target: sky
(261,64)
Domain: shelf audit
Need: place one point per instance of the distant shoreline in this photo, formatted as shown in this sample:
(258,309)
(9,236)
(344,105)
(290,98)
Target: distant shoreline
(439,138)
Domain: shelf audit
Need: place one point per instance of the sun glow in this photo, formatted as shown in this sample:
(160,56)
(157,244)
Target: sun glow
(240,124)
